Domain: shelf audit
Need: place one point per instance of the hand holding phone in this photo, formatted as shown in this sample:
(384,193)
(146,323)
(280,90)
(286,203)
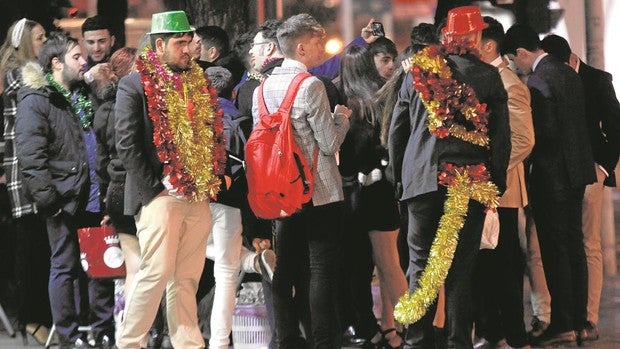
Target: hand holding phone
(377,29)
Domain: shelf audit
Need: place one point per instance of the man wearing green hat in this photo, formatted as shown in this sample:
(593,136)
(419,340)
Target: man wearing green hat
(168,136)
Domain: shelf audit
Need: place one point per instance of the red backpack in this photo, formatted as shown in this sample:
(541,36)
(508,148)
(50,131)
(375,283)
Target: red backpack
(279,178)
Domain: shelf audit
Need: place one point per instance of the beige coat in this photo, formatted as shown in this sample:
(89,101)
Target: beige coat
(521,137)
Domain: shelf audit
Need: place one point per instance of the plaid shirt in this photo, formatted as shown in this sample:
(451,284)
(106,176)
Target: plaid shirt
(312,125)
(20,206)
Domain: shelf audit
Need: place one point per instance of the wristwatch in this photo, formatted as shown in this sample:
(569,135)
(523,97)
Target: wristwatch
(88,77)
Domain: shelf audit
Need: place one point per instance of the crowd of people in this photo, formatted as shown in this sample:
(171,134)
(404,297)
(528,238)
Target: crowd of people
(412,155)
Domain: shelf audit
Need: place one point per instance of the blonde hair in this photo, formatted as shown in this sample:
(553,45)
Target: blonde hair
(14,57)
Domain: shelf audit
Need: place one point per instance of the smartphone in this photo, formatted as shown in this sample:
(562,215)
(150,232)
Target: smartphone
(377,29)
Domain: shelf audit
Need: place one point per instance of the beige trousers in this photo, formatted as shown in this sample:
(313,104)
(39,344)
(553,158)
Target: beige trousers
(539,295)
(591,226)
(173,236)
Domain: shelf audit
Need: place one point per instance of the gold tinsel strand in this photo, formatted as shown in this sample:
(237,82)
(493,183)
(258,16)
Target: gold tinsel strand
(460,132)
(193,136)
(411,307)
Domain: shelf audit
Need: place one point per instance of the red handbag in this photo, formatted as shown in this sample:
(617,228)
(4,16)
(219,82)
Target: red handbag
(100,252)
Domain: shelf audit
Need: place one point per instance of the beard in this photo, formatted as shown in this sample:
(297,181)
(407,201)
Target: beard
(71,77)
(175,67)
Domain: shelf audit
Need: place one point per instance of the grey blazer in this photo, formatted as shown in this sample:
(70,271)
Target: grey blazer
(313,125)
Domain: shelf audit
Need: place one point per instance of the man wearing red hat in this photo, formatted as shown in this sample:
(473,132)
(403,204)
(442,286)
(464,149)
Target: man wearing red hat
(449,144)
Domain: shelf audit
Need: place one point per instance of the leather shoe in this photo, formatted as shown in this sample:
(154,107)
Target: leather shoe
(538,327)
(482,343)
(155,338)
(549,338)
(105,342)
(350,338)
(588,333)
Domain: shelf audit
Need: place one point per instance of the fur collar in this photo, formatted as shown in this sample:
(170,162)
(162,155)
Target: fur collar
(32,76)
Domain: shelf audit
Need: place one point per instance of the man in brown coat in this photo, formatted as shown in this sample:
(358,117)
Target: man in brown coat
(499,272)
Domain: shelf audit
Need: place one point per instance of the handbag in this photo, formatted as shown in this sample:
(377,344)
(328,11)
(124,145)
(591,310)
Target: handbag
(100,252)
(490,230)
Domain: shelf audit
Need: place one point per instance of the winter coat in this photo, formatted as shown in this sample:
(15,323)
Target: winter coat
(50,146)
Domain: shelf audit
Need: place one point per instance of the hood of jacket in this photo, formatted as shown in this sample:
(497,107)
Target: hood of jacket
(33,76)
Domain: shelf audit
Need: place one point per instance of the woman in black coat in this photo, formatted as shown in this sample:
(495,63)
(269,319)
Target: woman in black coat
(109,167)
(363,160)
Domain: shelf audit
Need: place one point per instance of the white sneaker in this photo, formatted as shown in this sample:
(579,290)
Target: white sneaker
(268,264)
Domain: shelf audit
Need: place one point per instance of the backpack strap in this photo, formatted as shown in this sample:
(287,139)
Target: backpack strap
(291,93)
(289,98)
(262,107)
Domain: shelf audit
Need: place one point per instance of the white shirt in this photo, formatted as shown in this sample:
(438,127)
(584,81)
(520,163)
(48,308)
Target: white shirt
(537,60)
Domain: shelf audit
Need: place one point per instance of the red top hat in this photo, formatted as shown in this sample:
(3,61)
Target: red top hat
(464,20)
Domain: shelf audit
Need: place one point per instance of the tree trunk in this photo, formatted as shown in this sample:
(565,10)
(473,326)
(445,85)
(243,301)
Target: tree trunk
(235,16)
(115,12)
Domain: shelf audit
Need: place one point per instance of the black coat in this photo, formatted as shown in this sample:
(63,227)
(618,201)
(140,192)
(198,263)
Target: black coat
(246,91)
(230,62)
(562,156)
(361,150)
(134,144)
(415,154)
(602,118)
(50,147)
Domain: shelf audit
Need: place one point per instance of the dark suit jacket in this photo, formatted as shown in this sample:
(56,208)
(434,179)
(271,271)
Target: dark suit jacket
(415,154)
(562,156)
(602,117)
(134,143)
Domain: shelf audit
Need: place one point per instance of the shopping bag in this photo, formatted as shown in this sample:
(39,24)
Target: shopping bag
(490,230)
(100,252)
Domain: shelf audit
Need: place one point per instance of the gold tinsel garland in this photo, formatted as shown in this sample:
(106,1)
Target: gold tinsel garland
(411,307)
(190,132)
(453,108)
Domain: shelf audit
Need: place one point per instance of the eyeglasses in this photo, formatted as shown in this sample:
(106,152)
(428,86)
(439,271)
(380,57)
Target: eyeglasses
(259,43)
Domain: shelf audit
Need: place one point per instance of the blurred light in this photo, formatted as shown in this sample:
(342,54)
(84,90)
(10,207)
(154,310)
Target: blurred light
(331,3)
(333,46)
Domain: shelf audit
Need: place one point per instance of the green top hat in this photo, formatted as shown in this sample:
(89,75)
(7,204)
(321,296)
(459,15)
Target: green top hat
(170,22)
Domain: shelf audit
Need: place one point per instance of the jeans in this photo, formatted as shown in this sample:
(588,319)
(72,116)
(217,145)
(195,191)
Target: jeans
(307,254)
(32,263)
(66,272)
(424,213)
(356,268)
